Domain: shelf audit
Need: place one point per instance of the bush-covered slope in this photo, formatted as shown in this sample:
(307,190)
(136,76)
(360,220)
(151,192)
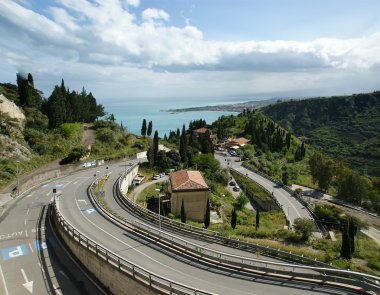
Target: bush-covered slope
(347,126)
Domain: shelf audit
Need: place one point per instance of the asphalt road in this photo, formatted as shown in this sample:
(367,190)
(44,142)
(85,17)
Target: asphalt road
(32,259)
(29,250)
(77,209)
(291,207)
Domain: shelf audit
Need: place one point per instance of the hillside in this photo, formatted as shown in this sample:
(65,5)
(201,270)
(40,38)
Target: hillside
(347,126)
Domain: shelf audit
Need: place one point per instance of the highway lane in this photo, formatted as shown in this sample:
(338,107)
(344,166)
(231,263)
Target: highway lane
(32,260)
(77,209)
(291,207)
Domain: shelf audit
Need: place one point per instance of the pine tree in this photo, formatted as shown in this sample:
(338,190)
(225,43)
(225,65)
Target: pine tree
(150,126)
(183,213)
(207,214)
(143,128)
(233,218)
(257,218)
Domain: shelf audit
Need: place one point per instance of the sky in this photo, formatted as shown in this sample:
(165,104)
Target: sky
(195,49)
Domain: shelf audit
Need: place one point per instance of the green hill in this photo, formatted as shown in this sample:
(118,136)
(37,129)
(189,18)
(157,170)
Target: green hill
(347,126)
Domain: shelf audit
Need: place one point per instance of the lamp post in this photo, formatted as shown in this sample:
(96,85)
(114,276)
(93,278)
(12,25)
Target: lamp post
(18,178)
(159,209)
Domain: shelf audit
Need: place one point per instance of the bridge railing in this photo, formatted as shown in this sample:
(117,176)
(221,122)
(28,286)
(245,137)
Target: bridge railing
(209,235)
(323,275)
(148,278)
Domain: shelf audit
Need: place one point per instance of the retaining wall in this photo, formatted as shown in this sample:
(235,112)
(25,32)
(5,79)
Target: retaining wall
(116,281)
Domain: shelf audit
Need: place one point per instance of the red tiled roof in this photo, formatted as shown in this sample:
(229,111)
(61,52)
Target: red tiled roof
(239,141)
(187,180)
(201,130)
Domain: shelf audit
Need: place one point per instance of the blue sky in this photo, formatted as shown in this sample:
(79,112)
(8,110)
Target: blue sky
(123,49)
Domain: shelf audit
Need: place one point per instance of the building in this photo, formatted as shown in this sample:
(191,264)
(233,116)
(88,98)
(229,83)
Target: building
(190,187)
(203,130)
(237,142)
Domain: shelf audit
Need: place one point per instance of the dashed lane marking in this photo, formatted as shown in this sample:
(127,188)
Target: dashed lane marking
(3,280)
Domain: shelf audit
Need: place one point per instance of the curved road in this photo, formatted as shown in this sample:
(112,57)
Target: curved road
(291,207)
(20,251)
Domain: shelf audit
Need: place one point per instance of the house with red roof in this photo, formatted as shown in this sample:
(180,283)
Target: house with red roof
(190,187)
(203,130)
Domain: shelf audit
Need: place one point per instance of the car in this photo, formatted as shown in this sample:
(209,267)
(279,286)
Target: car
(236,188)
(232,183)
(157,176)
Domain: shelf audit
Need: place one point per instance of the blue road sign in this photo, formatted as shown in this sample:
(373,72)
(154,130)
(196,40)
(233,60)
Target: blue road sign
(40,245)
(14,252)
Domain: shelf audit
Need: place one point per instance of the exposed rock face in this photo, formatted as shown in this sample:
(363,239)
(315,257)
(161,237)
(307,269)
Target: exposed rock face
(12,110)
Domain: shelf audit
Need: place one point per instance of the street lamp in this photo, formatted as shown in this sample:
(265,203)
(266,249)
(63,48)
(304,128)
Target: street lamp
(18,178)
(159,208)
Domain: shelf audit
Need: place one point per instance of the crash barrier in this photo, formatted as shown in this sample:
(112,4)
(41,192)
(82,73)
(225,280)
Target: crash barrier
(208,235)
(299,198)
(118,274)
(359,282)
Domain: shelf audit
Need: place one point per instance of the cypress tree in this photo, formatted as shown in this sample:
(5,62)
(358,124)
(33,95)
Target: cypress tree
(345,251)
(150,126)
(155,147)
(207,214)
(143,128)
(257,218)
(288,138)
(233,218)
(352,233)
(183,213)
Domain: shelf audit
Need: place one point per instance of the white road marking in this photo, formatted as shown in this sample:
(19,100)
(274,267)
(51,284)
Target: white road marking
(25,221)
(143,254)
(31,248)
(26,233)
(48,193)
(28,284)
(27,211)
(63,273)
(75,182)
(83,201)
(3,280)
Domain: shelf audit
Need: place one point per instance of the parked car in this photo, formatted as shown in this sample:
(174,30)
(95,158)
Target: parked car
(232,183)
(236,188)
(157,176)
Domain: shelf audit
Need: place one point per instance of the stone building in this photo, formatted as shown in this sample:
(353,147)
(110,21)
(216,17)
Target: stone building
(190,187)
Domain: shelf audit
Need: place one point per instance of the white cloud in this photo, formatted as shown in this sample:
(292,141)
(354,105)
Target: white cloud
(134,3)
(151,14)
(107,38)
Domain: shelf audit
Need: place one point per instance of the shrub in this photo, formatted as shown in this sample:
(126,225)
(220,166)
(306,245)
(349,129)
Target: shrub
(304,227)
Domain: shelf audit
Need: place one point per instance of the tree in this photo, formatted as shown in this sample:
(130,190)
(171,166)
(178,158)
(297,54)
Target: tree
(321,170)
(143,128)
(233,218)
(345,251)
(351,187)
(155,147)
(304,227)
(150,126)
(183,213)
(257,218)
(207,214)
(240,201)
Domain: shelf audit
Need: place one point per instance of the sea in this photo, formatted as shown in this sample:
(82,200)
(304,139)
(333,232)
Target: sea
(131,112)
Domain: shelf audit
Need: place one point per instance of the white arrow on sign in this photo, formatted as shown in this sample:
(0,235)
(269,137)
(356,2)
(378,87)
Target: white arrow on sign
(28,284)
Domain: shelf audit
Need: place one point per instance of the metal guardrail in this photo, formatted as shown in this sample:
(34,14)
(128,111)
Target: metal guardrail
(318,222)
(212,236)
(321,275)
(148,278)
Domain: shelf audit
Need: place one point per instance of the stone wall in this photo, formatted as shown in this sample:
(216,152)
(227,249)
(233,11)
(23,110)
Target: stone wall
(127,180)
(111,277)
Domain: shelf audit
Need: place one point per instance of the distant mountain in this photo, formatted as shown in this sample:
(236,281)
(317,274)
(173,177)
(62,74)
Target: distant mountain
(347,126)
(236,107)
